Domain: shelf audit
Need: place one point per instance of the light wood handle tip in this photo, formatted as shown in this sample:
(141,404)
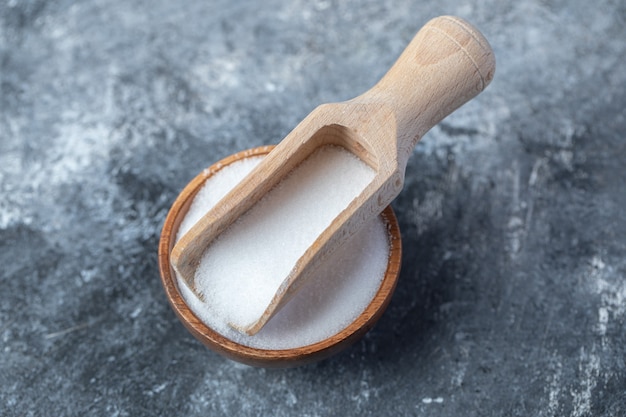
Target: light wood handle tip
(469,40)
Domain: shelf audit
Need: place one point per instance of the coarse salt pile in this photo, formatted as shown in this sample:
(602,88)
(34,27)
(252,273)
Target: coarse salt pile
(242,269)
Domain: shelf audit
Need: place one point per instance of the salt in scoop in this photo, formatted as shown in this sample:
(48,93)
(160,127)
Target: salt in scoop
(446,64)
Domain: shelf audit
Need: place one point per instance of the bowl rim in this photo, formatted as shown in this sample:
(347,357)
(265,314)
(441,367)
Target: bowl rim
(269,357)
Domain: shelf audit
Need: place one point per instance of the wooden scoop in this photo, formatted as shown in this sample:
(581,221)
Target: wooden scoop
(445,65)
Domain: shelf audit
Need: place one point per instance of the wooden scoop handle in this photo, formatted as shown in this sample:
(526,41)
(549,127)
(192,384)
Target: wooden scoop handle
(446,64)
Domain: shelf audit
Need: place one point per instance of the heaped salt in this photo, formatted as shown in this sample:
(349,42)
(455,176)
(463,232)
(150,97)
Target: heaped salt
(241,270)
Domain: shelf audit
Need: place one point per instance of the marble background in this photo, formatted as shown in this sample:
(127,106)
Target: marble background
(512,299)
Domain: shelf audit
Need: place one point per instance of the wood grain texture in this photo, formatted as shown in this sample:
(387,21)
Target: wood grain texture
(263,357)
(445,65)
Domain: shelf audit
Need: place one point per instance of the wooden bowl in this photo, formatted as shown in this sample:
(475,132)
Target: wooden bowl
(266,357)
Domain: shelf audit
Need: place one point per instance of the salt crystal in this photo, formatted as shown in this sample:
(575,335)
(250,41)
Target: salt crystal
(242,269)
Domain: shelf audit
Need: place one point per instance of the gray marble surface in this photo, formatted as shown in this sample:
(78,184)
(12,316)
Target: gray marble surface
(512,299)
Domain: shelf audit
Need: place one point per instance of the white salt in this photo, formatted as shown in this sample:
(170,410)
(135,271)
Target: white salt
(214,189)
(241,270)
